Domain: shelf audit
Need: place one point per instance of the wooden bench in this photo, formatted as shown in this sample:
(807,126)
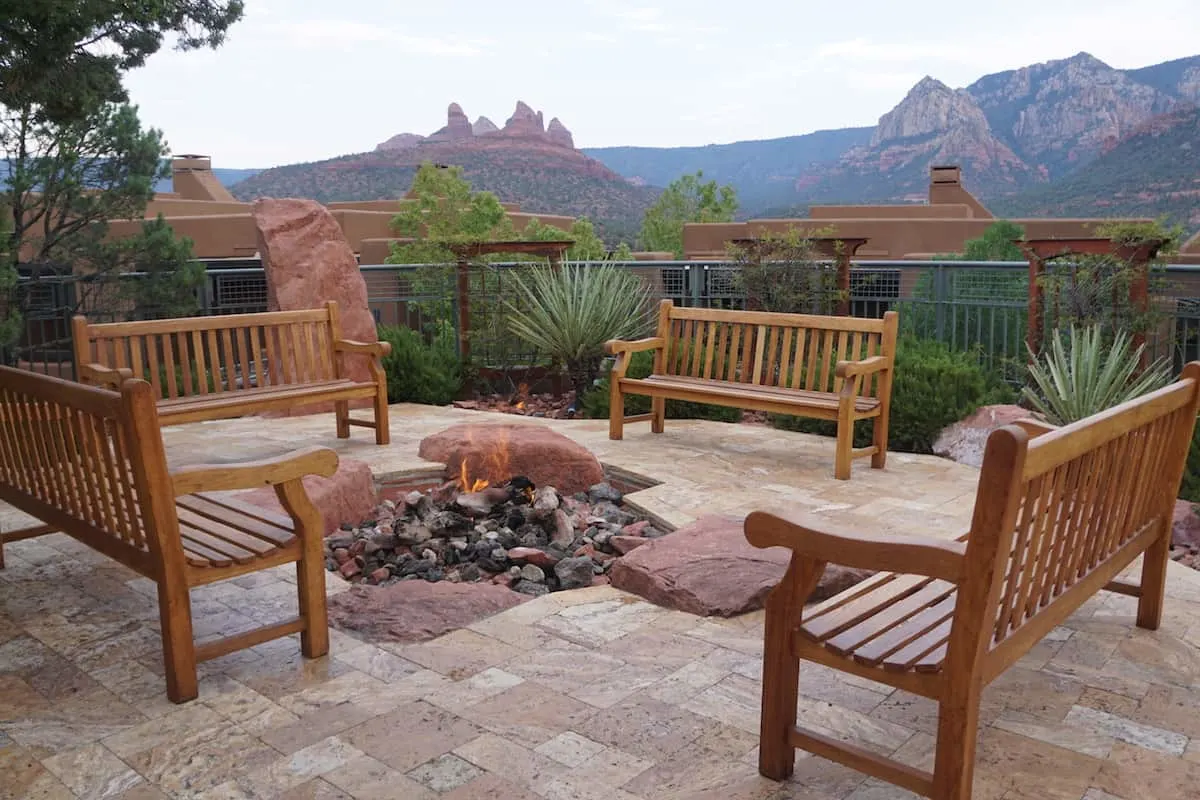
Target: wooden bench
(1057,518)
(835,368)
(90,462)
(226,366)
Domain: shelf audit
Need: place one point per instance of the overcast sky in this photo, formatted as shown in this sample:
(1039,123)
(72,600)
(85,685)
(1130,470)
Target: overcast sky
(303,80)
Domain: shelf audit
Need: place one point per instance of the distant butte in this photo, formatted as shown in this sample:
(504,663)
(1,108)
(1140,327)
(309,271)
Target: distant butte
(525,125)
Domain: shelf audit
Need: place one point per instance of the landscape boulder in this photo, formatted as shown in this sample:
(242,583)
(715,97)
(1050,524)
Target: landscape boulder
(708,568)
(308,261)
(348,497)
(964,440)
(496,452)
(417,610)
(1185,526)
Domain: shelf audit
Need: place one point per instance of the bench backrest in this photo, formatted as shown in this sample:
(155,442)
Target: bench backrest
(87,460)
(209,355)
(796,351)
(1055,517)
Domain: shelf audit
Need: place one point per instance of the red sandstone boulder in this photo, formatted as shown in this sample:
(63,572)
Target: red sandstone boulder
(965,440)
(1185,526)
(416,610)
(498,451)
(348,496)
(708,568)
(308,261)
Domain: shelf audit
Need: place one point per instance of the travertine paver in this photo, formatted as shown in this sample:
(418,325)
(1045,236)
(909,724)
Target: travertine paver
(586,694)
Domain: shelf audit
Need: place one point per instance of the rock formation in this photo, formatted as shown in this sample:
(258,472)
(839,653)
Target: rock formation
(483,125)
(524,122)
(458,127)
(347,497)
(401,141)
(558,134)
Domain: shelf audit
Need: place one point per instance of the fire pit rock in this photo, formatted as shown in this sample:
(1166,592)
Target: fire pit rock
(346,498)
(708,568)
(496,451)
(530,539)
(413,611)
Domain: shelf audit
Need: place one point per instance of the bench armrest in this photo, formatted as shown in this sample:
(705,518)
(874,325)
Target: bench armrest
(253,474)
(617,346)
(824,541)
(379,349)
(849,369)
(624,351)
(107,377)
(1034,427)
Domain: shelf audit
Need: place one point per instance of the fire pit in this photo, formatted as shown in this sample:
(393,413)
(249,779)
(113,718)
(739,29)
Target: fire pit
(509,531)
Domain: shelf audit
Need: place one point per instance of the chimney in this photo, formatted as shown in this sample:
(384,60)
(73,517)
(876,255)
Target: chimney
(192,178)
(950,174)
(945,188)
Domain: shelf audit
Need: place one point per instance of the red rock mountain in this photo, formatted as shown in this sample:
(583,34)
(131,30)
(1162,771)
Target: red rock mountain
(525,162)
(525,124)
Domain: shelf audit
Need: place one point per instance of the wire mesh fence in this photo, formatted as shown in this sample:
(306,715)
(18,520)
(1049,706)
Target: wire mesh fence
(979,307)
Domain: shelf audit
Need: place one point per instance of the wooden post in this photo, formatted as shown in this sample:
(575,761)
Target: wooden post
(843,280)
(1033,326)
(464,309)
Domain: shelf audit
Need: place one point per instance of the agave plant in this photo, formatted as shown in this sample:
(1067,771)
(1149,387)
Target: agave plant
(569,314)
(1088,375)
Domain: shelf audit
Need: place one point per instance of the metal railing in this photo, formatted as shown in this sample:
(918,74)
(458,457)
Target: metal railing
(972,306)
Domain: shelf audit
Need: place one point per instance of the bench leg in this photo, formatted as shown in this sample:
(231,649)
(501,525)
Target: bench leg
(1154,582)
(616,412)
(310,569)
(780,689)
(179,648)
(844,453)
(954,762)
(341,409)
(879,438)
(383,431)
(658,414)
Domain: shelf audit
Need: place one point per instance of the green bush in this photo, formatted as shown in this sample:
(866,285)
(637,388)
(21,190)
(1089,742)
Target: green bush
(420,372)
(933,387)
(596,402)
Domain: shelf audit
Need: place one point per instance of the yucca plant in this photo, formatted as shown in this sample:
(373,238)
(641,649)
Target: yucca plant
(569,314)
(1087,375)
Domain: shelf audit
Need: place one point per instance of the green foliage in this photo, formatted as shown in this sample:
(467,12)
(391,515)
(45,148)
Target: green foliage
(446,212)
(933,387)
(996,243)
(596,403)
(785,272)
(64,184)
(421,372)
(67,57)
(1076,380)
(686,199)
(569,314)
(587,246)
(1132,234)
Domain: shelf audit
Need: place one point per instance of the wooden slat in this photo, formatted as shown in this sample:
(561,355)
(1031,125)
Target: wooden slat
(153,366)
(722,349)
(760,344)
(891,612)
(186,361)
(827,353)
(168,356)
(227,531)
(259,522)
(918,650)
(774,318)
(785,358)
(698,350)
(228,359)
(771,371)
(708,350)
(256,356)
(200,362)
(874,652)
(111,330)
(735,342)
(214,362)
(274,366)
(810,360)
(832,621)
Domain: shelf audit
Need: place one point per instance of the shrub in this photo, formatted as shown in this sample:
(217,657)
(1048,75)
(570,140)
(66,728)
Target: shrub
(596,402)
(933,387)
(570,312)
(421,372)
(1076,380)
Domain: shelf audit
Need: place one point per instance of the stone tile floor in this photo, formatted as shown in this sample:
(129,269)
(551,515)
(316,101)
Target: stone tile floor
(586,694)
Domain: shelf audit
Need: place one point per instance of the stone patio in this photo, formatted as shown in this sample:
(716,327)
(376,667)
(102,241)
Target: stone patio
(584,694)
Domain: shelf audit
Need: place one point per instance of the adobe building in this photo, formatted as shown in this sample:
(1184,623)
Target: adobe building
(943,225)
(222,227)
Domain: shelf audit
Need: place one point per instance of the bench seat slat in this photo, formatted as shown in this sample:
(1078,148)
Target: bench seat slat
(258,522)
(227,532)
(181,405)
(834,620)
(895,613)
(773,394)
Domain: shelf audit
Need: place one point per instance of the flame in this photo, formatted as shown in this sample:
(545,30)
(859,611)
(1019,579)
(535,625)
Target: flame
(520,405)
(495,465)
(522,393)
